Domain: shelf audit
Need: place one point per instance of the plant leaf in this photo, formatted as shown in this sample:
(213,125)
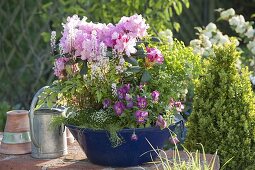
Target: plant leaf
(134,69)
(155,39)
(131,60)
(84,69)
(146,76)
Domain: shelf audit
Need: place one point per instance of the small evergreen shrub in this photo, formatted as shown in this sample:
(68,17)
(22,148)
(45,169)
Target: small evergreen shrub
(224,111)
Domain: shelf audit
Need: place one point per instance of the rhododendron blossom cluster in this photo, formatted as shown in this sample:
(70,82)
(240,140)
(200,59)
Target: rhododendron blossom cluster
(83,38)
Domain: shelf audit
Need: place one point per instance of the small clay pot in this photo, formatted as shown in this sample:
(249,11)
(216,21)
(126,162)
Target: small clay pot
(16,136)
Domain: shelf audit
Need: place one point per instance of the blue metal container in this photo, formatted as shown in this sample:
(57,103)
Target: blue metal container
(99,150)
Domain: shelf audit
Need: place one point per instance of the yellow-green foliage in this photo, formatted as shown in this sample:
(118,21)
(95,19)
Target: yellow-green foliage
(224,111)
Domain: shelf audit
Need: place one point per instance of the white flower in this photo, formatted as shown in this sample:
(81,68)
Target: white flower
(198,50)
(206,41)
(241,28)
(211,27)
(224,39)
(195,42)
(252,78)
(250,32)
(208,34)
(253,50)
(53,40)
(237,21)
(114,89)
(214,40)
(218,36)
(251,44)
(227,14)
(252,63)
(235,40)
(167,34)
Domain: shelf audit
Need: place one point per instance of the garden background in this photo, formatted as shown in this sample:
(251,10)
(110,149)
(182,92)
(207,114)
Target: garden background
(25,28)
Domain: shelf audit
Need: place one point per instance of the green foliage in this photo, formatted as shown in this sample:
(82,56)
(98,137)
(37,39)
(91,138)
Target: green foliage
(194,161)
(181,66)
(158,13)
(4,107)
(223,114)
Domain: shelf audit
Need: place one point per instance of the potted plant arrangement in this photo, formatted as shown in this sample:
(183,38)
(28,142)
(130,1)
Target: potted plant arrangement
(122,87)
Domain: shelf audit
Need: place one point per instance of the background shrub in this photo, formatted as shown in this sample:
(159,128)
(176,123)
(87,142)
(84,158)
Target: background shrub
(223,114)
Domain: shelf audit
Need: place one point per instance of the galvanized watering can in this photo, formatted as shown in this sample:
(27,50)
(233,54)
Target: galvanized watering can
(47,142)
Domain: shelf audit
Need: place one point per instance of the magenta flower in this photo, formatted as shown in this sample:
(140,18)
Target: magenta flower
(141,116)
(154,55)
(179,106)
(141,102)
(106,103)
(174,140)
(161,122)
(134,137)
(155,96)
(119,107)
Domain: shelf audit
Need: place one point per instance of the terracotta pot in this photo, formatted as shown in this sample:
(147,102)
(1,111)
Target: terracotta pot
(16,136)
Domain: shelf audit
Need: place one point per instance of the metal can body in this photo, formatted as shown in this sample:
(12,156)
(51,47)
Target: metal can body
(51,140)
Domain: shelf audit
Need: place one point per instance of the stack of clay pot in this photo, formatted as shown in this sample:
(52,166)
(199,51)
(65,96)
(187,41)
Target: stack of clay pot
(16,136)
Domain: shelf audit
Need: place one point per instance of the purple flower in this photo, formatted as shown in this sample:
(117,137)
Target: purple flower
(130,104)
(141,102)
(119,108)
(155,96)
(161,122)
(134,137)
(126,87)
(141,116)
(106,103)
(121,93)
(128,97)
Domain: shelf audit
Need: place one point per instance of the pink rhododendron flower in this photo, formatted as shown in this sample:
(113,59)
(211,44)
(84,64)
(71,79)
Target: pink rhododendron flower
(154,55)
(134,26)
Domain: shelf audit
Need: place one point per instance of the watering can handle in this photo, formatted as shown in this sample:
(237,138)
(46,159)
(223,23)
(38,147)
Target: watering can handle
(31,114)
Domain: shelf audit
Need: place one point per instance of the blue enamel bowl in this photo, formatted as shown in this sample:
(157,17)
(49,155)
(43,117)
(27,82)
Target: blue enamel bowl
(99,150)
